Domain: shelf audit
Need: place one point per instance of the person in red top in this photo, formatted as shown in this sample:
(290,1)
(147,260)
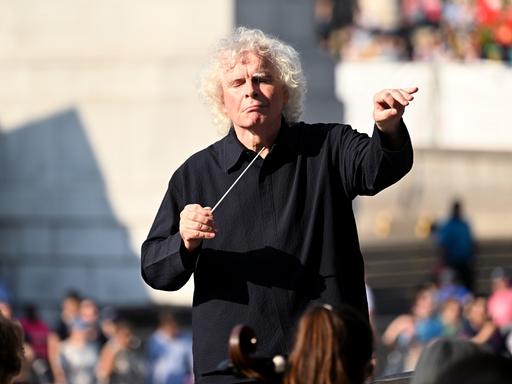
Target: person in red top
(36,331)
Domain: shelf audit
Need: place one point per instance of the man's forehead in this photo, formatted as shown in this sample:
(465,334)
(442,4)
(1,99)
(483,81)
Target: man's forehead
(247,58)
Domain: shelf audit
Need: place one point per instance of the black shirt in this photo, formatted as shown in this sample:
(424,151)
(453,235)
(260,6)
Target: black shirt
(287,235)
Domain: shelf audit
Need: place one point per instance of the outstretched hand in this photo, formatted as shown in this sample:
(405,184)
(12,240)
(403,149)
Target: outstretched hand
(389,106)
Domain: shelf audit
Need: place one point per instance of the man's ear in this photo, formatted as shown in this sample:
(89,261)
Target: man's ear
(222,104)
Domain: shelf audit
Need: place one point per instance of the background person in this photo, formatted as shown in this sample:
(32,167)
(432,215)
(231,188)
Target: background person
(169,353)
(119,361)
(78,355)
(70,312)
(408,333)
(457,245)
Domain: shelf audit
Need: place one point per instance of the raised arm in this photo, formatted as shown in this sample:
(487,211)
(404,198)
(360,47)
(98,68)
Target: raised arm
(369,165)
(388,108)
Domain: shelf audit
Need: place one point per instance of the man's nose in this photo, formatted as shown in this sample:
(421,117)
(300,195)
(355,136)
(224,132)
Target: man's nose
(251,90)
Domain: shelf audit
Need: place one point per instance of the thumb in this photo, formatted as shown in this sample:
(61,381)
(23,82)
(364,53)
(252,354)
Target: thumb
(385,114)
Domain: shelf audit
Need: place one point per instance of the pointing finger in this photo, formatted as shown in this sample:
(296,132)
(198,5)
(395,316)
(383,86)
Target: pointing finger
(399,97)
(410,90)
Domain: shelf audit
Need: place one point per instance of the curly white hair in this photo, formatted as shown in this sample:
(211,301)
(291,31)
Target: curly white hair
(282,56)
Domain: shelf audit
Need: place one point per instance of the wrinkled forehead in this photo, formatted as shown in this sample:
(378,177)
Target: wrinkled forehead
(231,62)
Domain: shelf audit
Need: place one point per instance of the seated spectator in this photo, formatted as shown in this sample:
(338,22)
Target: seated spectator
(488,369)
(108,318)
(70,306)
(450,315)
(450,287)
(422,30)
(36,335)
(441,354)
(500,302)
(11,351)
(331,347)
(78,356)
(409,332)
(36,331)
(458,26)
(90,314)
(169,353)
(478,326)
(494,24)
(70,311)
(119,362)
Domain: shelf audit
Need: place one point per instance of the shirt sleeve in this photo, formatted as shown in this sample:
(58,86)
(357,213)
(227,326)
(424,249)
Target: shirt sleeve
(368,165)
(165,264)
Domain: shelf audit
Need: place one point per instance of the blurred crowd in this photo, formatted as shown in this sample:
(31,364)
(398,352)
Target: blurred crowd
(449,310)
(92,346)
(448,319)
(426,30)
(447,324)
(448,305)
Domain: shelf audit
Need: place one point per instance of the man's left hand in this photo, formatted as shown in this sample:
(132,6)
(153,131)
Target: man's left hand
(389,106)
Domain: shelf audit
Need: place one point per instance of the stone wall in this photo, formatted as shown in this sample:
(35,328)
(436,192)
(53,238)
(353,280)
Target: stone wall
(98,106)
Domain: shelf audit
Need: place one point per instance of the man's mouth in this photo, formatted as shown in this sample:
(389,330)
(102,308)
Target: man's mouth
(254,108)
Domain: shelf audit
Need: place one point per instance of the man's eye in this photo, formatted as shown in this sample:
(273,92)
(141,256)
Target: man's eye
(263,79)
(236,84)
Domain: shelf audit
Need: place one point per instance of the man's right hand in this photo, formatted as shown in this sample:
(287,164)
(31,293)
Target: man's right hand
(196,224)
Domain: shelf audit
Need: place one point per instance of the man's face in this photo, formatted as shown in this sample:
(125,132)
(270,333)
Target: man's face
(253,95)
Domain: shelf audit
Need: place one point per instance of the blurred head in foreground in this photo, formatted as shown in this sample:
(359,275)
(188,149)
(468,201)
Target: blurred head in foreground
(331,347)
(440,354)
(488,369)
(11,349)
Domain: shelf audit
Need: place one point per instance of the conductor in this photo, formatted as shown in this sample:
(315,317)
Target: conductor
(285,235)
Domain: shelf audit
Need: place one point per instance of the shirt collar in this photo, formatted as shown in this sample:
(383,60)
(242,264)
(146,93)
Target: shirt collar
(234,149)
(287,139)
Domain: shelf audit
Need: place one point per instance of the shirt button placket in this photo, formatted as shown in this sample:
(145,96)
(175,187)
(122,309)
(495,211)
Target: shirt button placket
(270,230)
